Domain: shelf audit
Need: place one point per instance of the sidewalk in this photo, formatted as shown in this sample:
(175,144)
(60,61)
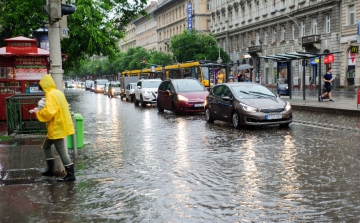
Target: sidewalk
(340,106)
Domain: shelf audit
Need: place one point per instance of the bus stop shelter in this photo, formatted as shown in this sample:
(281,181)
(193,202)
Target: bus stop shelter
(303,56)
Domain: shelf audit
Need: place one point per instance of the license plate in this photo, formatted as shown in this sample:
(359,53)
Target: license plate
(270,117)
(198,105)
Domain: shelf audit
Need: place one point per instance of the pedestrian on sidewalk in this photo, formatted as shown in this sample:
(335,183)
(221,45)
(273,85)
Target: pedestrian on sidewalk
(328,82)
(59,125)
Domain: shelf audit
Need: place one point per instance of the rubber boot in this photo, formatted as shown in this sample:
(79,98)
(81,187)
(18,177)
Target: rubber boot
(50,171)
(70,174)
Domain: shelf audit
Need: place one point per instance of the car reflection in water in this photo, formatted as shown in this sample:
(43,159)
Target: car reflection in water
(246,104)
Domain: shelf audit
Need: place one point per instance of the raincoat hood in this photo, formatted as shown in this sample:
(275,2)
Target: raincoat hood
(47,83)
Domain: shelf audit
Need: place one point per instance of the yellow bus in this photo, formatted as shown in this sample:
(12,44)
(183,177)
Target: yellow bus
(204,71)
(147,73)
(207,72)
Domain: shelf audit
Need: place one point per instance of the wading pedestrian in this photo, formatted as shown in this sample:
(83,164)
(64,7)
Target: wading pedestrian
(56,115)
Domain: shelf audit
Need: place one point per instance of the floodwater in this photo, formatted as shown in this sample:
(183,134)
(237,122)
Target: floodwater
(139,165)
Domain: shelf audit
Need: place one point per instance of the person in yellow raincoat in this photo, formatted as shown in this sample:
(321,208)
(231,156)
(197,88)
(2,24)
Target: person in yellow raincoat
(59,125)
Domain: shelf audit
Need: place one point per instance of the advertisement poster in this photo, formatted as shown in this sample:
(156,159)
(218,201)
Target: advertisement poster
(282,72)
(30,68)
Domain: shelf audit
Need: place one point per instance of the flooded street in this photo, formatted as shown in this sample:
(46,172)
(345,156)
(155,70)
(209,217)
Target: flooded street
(139,165)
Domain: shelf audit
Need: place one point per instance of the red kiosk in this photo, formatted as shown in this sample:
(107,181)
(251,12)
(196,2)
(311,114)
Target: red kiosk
(22,65)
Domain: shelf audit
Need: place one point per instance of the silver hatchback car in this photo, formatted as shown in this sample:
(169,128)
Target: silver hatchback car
(246,104)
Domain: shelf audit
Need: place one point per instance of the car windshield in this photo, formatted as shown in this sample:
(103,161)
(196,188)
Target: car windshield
(132,86)
(188,86)
(101,82)
(252,91)
(115,85)
(151,84)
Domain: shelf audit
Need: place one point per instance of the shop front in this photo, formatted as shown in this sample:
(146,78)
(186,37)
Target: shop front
(22,65)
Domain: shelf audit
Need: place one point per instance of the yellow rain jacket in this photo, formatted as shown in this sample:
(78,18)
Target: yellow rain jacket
(56,112)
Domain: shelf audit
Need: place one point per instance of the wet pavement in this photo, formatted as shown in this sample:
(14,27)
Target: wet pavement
(139,165)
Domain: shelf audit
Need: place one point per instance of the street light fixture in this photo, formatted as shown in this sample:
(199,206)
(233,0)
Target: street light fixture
(277,10)
(219,60)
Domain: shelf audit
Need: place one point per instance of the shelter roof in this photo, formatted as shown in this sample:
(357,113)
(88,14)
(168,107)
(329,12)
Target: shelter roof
(295,56)
(40,52)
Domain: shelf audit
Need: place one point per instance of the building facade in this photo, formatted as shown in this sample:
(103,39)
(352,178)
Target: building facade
(173,18)
(145,31)
(350,69)
(264,27)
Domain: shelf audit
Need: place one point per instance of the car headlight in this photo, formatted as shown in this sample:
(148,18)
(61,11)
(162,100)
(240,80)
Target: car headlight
(182,98)
(286,88)
(288,106)
(248,108)
(147,92)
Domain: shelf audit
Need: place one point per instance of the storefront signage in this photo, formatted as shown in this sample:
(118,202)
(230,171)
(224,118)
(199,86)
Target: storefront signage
(30,62)
(354,49)
(189,18)
(30,74)
(329,59)
(254,49)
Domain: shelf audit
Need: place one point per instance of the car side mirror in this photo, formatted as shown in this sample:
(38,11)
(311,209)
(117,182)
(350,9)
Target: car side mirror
(226,98)
(208,89)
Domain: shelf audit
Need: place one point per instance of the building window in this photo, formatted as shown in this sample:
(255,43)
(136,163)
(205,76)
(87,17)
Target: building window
(208,5)
(274,36)
(283,33)
(292,2)
(250,39)
(302,31)
(283,4)
(274,5)
(257,9)
(314,26)
(327,23)
(257,38)
(265,7)
(351,15)
(292,31)
(265,38)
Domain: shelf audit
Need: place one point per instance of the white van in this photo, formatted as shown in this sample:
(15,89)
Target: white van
(99,85)
(89,84)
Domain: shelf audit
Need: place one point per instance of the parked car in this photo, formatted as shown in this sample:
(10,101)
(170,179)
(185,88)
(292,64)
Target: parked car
(114,89)
(130,92)
(106,88)
(246,104)
(282,86)
(181,96)
(69,84)
(146,91)
(99,85)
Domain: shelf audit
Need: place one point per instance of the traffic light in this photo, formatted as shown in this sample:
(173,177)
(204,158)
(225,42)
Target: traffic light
(56,10)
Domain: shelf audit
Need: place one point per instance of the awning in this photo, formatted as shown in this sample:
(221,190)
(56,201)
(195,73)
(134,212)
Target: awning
(295,56)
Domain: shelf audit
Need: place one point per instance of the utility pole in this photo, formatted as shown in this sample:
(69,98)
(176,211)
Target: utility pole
(56,10)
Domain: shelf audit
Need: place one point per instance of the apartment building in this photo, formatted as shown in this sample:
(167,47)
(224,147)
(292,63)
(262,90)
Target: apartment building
(267,27)
(175,16)
(350,40)
(145,30)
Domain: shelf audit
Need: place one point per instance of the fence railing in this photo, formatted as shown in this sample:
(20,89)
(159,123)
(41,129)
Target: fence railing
(18,116)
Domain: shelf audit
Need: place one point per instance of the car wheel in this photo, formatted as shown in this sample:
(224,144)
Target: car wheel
(286,125)
(174,109)
(132,98)
(207,115)
(126,98)
(136,102)
(235,119)
(160,109)
(142,102)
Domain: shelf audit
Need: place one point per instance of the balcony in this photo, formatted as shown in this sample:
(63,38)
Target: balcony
(311,40)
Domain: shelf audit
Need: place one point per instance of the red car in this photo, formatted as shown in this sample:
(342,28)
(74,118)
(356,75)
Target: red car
(181,96)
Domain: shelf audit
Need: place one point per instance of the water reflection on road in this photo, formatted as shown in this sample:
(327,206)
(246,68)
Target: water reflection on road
(143,166)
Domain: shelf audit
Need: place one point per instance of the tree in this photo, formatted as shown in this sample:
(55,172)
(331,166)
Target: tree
(92,29)
(194,45)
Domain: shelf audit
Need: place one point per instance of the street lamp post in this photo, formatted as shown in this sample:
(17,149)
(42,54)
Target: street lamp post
(219,60)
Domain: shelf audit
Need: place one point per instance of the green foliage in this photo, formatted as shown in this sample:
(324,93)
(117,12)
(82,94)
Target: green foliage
(93,31)
(195,45)
(131,60)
